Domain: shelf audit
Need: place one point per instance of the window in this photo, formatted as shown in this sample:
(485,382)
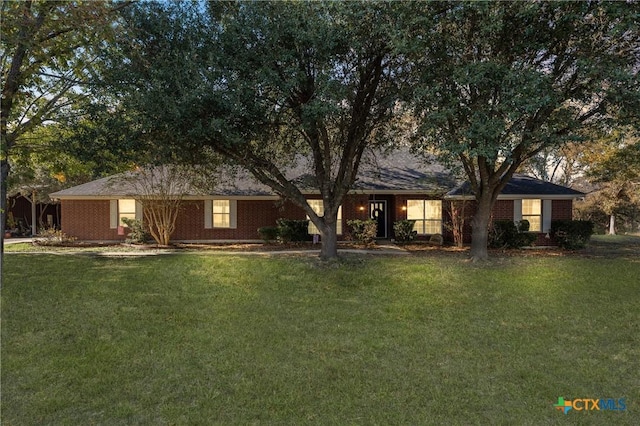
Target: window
(427,214)
(532,211)
(221,214)
(318,207)
(126,209)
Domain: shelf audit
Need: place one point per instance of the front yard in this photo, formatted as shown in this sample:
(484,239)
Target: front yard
(423,339)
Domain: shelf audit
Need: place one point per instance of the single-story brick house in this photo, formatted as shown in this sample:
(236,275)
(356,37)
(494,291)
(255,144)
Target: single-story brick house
(392,187)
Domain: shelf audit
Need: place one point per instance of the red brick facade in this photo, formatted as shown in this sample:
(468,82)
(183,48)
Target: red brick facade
(90,219)
(87,220)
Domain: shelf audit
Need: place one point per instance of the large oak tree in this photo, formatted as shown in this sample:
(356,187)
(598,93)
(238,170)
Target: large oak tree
(264,85)
(499,82)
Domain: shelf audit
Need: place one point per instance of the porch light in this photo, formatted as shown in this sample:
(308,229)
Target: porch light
(404,208)
(361,208)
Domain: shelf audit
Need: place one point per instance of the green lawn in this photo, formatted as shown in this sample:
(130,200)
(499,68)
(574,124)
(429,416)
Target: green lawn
(213,339)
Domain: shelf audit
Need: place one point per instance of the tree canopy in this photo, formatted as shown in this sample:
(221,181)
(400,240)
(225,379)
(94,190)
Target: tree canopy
(499,82)
(49,49)
(264,85)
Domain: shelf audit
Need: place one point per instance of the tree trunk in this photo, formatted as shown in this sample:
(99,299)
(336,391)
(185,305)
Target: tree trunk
(4,174)
(329,248)
(612,224)
(480,228)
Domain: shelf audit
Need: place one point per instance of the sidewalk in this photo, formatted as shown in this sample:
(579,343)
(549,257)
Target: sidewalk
(16,240)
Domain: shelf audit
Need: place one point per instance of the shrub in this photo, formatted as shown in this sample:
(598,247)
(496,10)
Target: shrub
(53,237)
(268,233)
(137,232)
(363,231)
(293,230)
(506,234)
(572,234)
(403,229)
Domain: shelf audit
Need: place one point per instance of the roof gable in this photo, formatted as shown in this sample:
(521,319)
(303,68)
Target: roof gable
(522,185)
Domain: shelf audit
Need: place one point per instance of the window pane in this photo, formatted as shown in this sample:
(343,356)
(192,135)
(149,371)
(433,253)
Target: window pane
(415,210)
(221,213)
(433,227)
(221,206)
(121,216)
(419,226)
(317,206)
(221,220)
(433,209)
(127,206)
(534,223)
(533,207)
(126,209)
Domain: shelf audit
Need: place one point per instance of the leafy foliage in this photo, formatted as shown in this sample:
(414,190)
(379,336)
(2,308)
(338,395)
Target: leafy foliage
(49,51)
(293,230)
(403,230)
(263,84)
(499,82)
(572,234)
(138,233)
(506,234)
(363,231)
(269,233)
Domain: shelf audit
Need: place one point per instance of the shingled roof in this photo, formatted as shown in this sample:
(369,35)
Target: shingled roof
(396,171)
(522,186)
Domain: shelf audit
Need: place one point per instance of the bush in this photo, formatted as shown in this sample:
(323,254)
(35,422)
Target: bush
(293,230)
(52,237)
(505,234)
(363,231)
(137,232)
(572,234)
(268,233)
(403,229)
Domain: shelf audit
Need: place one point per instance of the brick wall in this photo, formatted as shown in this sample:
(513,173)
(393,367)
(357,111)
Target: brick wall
(252,214)
(87,220)
(503,210)
(562,210)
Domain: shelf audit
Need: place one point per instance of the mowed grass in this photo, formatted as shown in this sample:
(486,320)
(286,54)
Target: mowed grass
(225,339)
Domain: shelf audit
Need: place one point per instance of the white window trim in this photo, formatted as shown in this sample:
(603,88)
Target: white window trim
(546,215)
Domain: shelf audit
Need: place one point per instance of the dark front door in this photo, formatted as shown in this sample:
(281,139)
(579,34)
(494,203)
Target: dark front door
(378,212)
